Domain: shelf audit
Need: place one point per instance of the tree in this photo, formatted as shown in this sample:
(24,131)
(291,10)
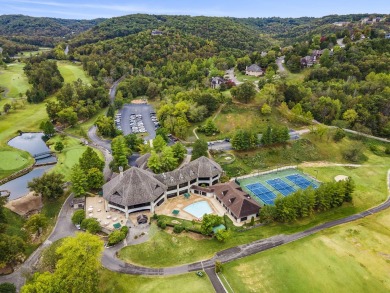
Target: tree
(11,249)
(134,142)
(95,178)
(79,181)
(105,126)
(77,269)
(120,151)
(49,185)
(209,221)
(6,107)
(244,92)
(168,160)
(218,267)
(179,151)
(209,128)
(59,146)
(159,143)
(91,225)
(36,224)
(266,137)
(351,116)
(199,149)
(47,127)
(110,111)
(244,140)
(67,116)
(78,217)
(268,93)
(266,109)
(90,159)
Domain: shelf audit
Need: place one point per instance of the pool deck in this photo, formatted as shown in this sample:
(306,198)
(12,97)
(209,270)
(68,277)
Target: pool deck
(180,202)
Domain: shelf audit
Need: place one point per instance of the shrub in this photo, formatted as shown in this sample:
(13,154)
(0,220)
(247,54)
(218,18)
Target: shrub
(7,288)
(115,237)
(155,217)
(78,217)
(252,223)
(163,225)
(91,225)
(178,229)
(125,230)
(218,266)
(387,150)
(339,135)
(354,153)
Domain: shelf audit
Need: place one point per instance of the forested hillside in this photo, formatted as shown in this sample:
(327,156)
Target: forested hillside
(226,32)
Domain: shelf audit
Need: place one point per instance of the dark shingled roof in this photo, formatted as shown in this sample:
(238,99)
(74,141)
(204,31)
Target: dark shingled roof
(135,186)
(201,167)
(238,201)
(142,161)
(254,68)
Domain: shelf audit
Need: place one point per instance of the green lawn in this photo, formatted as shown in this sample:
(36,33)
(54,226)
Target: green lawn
(242,77)
(370,180)
(69,156)
(13,160)
(72,71)
(186,283)
(14,80)
(81,129)
(27,54)
(351,258)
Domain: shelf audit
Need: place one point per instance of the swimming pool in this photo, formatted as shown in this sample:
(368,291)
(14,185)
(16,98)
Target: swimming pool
(198,209)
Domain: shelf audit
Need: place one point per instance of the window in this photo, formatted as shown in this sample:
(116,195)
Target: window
(173,187)
(116,205)
(171,195)
(160,202)
(193,181)
(183,184)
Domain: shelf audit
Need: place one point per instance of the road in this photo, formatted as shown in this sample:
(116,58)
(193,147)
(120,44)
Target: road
(113,88)
(279,62)
(144,110)
(232,77)
(63,228)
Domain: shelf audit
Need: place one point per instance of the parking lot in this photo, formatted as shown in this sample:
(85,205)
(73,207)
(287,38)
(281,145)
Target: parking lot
(137,118)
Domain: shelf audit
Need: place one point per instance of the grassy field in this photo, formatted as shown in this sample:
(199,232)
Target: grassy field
(121,283)
(69,156)
(354,257)
(26,54)
(72,71)
(242,77)
(14,80)
(81,129)
(30,116)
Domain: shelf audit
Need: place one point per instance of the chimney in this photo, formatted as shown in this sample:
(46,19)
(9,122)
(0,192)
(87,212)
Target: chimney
(120,171)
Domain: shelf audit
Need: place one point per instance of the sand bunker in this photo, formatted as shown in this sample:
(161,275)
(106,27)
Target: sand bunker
(340,178)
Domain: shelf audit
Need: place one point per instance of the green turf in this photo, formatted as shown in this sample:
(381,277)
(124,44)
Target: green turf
(13,160)
(14,80)
(69,156)
(27,54)
(111,282)
(351,258)
(72,71)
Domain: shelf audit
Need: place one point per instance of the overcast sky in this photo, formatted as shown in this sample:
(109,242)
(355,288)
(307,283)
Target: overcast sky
(88,9)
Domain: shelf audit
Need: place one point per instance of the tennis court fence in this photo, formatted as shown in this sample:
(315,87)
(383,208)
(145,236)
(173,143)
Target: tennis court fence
(254,174)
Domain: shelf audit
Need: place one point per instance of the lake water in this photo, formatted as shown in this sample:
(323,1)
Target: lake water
(34,144)
(18,187)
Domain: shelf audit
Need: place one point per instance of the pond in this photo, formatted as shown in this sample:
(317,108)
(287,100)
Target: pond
(33,143)
(18,187)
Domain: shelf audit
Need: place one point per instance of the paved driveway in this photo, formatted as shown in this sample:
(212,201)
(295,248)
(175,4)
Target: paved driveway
(142,109)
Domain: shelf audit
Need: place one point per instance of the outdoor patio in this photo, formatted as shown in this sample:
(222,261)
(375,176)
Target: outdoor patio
(94,208)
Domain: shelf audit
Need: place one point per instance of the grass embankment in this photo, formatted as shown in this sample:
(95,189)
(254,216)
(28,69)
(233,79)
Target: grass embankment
(69,156)
(81,129)
(121,283)
(14,80)
(371,184)
(351,258)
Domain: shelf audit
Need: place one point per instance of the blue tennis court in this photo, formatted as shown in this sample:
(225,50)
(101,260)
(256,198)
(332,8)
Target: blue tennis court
(301,181)
(281,186)
(262,192)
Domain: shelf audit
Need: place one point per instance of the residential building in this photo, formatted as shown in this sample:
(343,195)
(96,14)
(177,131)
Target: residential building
(254,70)
(216,82)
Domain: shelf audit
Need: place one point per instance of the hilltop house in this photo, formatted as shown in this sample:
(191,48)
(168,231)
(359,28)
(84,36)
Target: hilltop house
(156,32)
(137,189)
(310,60)
(254,70)
(216,82)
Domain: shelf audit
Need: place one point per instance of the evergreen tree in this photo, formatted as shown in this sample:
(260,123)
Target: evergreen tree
(90,159)
(120,151)
(266,138)
(79,180)
(199,149)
